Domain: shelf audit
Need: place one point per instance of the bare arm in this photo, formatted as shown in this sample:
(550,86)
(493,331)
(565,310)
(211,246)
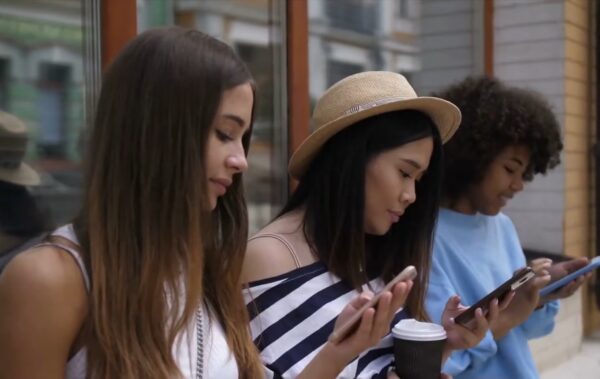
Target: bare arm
(43,303)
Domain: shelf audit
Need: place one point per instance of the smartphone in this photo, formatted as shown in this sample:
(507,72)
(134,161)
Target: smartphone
(341,332)
(518,279)
(554,286)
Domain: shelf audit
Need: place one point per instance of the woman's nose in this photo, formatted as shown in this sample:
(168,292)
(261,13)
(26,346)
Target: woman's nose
(238,162)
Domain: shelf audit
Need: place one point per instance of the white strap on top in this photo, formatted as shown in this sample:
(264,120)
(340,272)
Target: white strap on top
(68,233)
(284,241)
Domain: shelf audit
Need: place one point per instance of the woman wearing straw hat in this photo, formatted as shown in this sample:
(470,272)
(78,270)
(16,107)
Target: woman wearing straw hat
(20,216)
(365,208)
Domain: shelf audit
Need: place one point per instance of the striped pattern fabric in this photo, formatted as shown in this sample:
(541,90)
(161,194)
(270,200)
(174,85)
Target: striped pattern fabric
(292,315)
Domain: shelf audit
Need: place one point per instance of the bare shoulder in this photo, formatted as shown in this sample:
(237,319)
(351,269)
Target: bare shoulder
(44,303)
(266,257)
(44,270)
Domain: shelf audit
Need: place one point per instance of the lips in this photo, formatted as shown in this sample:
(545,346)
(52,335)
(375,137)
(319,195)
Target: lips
(221,185)
(395,215)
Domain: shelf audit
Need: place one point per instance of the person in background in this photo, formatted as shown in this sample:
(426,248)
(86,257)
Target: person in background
(22,223)
(506,137)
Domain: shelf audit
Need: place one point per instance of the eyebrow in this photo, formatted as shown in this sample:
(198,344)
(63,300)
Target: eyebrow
(517,160)
(412,163)
(238,120)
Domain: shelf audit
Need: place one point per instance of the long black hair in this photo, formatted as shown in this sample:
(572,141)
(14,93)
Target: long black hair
(332,191)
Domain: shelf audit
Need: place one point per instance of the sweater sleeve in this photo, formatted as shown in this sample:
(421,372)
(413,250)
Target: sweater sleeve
(541,322)
(439,291)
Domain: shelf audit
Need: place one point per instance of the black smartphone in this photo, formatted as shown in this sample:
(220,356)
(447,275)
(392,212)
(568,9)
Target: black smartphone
(518,279)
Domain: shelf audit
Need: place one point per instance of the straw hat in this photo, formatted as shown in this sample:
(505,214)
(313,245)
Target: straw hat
(13,143)
(364,95)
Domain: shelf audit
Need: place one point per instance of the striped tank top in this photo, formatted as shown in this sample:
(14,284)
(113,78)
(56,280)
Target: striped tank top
(292,315)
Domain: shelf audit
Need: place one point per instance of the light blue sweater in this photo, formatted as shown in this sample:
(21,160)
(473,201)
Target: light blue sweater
(473,254)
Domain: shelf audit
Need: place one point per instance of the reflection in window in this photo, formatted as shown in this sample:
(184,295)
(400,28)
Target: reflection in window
(432,42)
(402,9)
(355,15)
(253,28)
(42,83)
(337,71)
(4,70)
(52,88)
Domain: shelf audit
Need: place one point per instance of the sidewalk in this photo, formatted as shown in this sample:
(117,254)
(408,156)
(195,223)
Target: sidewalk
(583,365)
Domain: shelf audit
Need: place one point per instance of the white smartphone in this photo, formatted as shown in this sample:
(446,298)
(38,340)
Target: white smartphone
(341,332)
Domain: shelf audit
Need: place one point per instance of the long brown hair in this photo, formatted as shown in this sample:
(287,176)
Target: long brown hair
(153,250)
(332,192)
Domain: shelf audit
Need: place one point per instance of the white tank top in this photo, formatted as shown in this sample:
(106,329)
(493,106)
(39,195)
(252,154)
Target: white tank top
(219,361)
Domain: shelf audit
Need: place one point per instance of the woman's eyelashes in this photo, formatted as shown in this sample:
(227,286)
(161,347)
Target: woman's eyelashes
(404,174)
(416,176)
(222,136)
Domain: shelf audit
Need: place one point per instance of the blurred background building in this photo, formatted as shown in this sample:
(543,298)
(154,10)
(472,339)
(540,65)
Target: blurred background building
(52,53)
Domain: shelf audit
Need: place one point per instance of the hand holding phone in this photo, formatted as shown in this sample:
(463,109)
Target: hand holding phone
(556,285)
(342,331)
(518,279)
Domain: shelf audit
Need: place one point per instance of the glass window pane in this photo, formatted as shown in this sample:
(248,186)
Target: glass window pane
(254,29)
(431,42)
(42,83)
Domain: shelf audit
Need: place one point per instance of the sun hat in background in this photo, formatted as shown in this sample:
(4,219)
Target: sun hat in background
(13,144)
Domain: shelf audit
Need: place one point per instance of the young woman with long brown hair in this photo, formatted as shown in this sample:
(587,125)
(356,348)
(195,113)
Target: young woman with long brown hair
(146,281)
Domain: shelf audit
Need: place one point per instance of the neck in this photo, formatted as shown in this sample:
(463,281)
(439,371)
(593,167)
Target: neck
(461,205)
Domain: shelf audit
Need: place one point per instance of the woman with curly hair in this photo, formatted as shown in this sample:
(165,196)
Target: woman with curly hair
(507,135)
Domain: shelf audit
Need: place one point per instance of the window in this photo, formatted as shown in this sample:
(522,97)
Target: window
(51,104)
(402,9)
(4,70)
(43,83)
(339,70)
(432,43)
(355,15)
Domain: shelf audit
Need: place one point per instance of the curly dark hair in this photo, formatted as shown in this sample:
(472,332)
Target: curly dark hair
(495,116)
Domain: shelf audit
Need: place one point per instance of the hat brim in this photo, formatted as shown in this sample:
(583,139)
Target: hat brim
(445,115)
(24,175)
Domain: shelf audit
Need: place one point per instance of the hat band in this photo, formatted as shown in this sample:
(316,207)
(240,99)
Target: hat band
(13,143)
(11,160)
(364,106)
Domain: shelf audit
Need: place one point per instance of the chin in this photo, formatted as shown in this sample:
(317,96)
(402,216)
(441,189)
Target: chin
(377,231)
(490,211)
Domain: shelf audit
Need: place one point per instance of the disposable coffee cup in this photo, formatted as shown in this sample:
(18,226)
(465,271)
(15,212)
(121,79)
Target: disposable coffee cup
(418,348)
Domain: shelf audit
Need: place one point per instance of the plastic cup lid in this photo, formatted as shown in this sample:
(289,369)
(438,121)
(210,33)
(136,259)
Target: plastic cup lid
(413,330)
